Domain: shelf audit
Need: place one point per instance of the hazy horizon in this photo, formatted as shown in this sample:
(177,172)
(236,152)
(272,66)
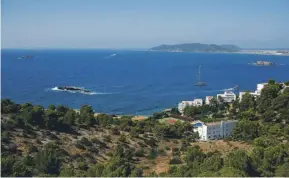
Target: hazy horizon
(127,24)
(133,49)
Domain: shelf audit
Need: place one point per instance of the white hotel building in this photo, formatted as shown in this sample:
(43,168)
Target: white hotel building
(214,130)
(208,100)
(228,96)
(183,104)
(257,92)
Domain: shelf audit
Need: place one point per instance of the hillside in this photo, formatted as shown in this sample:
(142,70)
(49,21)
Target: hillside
(58,141)
(196,47)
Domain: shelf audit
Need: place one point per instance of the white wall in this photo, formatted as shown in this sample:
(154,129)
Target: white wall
(216,131)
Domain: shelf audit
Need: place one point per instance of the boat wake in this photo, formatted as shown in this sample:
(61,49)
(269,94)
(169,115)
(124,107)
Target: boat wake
(110,56)
(73,89)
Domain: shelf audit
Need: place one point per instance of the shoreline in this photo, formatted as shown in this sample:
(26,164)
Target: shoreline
(253,52)
(117,115)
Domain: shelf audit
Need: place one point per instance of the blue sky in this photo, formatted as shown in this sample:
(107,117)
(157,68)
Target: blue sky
(143,23)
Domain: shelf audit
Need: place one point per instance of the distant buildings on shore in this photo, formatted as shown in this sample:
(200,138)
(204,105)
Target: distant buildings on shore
(228,96)
(257,92)
(224,128)
(208,100)
(183,104)
(266,52)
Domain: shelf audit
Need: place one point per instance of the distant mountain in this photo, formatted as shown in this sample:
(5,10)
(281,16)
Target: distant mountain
(196,47)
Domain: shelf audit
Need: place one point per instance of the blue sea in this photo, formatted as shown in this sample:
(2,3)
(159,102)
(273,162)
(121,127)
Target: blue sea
(129,82)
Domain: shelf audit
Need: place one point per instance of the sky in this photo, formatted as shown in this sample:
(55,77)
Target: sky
(143,23)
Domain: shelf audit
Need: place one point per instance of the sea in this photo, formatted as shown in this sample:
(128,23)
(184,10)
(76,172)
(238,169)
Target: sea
(128,82)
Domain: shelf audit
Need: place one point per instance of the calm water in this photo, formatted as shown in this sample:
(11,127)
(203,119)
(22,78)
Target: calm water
(132,82)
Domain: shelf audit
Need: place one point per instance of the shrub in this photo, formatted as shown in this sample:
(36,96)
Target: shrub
(122,138)
(85,141)
(146,167)
(86,155)
(38,141)
(82,166)
(175,160)
(93,150)
(53,137)
(63,152)
(139,152)
(12,148)
(25,141)
(5,137)
(110,154)
(153,154)
(12,123)
(115,131)
(141,144)
(107,138)
(161,152)
(184,146)
(79,146)
(175,149)
(167,148)
(150,142)
(32,149)
(76,156)
(95,140)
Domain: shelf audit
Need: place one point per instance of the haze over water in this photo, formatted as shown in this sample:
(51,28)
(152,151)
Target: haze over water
(130,82)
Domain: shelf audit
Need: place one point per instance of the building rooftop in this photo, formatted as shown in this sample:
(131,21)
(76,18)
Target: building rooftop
(219,122)
(213,123)
(186,102)
(230,121)
(196,121)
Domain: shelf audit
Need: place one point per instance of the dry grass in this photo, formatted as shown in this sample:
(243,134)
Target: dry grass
(158,165)
(222,146)
(162,164)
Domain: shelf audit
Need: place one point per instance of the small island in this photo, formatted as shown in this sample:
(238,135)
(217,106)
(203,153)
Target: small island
(262,63)
(196,47)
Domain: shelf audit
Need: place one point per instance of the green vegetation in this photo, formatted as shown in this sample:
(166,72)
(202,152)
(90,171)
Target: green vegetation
(58,141)
(197,47)
(40,135)
(208,113)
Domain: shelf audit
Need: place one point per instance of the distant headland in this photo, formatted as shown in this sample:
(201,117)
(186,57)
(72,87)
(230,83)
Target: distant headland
(197,47)
(207,48)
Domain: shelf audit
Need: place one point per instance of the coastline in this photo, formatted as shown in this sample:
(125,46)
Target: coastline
(135,117)
(253,52)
